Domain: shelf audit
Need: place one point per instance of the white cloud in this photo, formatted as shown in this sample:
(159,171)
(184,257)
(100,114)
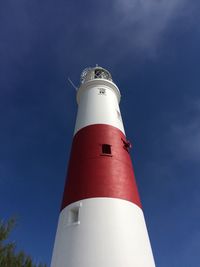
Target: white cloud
(143,22)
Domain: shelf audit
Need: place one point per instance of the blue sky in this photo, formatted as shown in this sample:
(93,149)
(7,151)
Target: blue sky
(152,50)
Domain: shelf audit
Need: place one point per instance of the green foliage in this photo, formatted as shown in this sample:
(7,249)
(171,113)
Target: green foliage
(8,255)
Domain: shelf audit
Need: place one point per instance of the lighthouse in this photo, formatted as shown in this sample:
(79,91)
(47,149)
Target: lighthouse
(101,221)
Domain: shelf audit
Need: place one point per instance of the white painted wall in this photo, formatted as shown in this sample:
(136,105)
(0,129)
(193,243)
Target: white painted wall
(96,108)
(111,233)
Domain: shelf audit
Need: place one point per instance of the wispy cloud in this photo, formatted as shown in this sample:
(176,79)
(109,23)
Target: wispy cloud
(144,22)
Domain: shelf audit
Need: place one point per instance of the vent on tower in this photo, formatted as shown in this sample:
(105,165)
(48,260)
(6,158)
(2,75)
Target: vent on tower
(126,144)
(102,91)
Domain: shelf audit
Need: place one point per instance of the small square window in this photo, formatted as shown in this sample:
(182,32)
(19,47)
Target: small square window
(106,149)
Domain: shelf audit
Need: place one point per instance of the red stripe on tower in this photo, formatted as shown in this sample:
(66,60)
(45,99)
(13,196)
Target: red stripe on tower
(104,166)
(101,222)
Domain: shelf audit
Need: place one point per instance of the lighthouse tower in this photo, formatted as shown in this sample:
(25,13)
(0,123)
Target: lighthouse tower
(101,222)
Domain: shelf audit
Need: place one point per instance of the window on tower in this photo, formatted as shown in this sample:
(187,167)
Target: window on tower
(73,215)
(100,73)
(106,149)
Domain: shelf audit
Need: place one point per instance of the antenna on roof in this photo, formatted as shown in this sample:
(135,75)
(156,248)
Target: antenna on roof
(72,84)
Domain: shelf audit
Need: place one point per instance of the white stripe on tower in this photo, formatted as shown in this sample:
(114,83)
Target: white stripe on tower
(101,222)
(98,102)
